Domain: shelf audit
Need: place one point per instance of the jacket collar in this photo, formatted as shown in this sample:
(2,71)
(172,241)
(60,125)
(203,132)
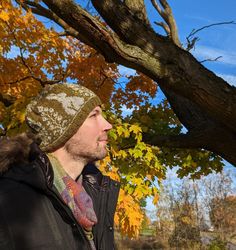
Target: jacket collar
(38,172)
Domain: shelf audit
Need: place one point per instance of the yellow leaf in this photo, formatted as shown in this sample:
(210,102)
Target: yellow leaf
(120,130)
(21,116)
(135,128)
(155,199)
(122,153)
(126,133)
(149,156)
(4,16)
(137,153)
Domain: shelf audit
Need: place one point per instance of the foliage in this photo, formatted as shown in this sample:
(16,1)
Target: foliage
(185,207)
(136,167)
(161,120)
(189,237)
(32,56)
(217,244)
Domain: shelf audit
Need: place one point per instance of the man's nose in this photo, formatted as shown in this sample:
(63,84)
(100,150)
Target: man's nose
(107,125)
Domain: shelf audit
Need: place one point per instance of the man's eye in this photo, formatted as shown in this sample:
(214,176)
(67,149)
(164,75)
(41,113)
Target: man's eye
(93,115)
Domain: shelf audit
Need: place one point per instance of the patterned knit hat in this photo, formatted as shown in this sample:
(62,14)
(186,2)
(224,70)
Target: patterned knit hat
(58,111)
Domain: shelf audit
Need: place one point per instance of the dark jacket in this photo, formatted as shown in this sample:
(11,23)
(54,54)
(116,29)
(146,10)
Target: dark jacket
(33,215)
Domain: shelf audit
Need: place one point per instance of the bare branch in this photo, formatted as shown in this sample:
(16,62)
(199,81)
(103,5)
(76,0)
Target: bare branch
(211,60)
(191,43)
(16,81)
(34,7)
(157,7)
(193,32)
(164,26)
(167,15)
(191,40)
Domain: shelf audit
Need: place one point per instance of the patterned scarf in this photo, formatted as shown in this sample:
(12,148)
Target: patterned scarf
(74,195)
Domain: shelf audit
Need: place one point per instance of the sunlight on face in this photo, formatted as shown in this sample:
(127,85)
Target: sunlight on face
(90,140)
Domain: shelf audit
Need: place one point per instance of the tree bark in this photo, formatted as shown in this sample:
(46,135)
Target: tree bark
(203,102)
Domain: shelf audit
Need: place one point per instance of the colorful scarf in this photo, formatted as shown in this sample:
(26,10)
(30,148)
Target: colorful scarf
(74,195)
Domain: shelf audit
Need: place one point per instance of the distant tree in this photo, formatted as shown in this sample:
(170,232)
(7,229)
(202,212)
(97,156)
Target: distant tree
(193,206)
(222,214)
(186,233)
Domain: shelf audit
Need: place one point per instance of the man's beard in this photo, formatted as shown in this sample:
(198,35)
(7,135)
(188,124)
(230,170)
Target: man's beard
(84,153)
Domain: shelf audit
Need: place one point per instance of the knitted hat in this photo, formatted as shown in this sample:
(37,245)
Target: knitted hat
(58,111)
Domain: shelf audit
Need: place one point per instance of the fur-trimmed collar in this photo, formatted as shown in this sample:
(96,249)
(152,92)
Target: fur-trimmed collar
(15,150)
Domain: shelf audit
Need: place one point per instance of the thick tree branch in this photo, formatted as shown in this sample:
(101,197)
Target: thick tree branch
(167,15)
(172,65)
(205,138)
(164,26)
(138,9)
(189,140)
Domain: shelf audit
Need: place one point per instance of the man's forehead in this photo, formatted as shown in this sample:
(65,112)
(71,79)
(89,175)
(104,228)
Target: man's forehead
(97,108)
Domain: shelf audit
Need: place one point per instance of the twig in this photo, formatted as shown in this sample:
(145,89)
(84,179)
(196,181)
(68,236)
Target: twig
(211,60)
(193,32)
(192,40)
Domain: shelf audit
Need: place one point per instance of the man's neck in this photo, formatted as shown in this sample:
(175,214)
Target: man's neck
(72,167)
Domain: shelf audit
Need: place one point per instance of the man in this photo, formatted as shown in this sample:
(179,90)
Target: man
(52,196)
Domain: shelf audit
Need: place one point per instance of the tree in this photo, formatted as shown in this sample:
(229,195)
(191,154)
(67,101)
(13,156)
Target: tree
(186,231)
(222,214)
(203,102)
(218,198)
(217,203)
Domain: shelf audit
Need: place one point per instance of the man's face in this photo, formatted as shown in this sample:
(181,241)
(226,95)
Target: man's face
(89,142)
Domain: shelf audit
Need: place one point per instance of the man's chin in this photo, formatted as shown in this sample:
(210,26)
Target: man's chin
(102,154)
